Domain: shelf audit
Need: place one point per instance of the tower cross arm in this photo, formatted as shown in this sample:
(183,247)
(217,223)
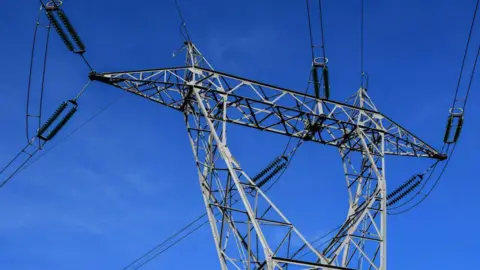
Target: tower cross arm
(270,108)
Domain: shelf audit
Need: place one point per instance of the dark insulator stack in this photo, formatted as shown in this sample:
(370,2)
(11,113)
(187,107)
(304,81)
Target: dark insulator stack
(59,29)
(404,186)
(71,30)
(405,189)
(270,171)
(454,127)
(43,132)
(326,82)
(316,80)
(72,34)
(271,175)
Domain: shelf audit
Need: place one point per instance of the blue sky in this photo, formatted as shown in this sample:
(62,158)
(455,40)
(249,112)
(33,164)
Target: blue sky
(127,180)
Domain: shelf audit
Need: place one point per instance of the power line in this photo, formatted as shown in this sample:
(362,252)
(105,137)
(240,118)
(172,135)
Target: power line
(75,130)
(173,244)
(42,90)
(431,189)
(430,171)
(30,73)
(362,45)
(22,159)
(321,28)
(86,62)
(471,80)
(312,48)
(165,241)
(465,53)
(24,165)
(154,255)
(312,45)
(24,151)
(300,141)
(316,241)
(446,145)
(183,25)
(310,29)
(472,75)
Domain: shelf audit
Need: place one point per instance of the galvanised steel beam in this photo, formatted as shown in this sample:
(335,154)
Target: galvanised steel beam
(270,108)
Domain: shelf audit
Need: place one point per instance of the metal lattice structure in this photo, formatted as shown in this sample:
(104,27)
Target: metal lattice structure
(249,231)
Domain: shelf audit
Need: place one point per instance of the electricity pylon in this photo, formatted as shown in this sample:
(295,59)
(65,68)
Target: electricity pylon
(249,231)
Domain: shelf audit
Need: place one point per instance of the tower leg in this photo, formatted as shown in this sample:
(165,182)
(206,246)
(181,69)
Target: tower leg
(249,231)
(361,241)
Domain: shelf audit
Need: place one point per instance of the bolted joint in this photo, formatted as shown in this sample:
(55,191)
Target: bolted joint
(94,76)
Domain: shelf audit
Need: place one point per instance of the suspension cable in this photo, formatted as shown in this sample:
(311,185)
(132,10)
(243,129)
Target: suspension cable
(173,244)
(312,45)
(437,180)
(30,73)
(455,114)
(362,45)
(183,25)
(429,191)
(465,54)
(86,62)
(430,171)
(321,28)
(42,90)
(318,63)
(151,251)
(310,29)
(62,115)
(22,159)
(75,130)
(316,241)
(154,254)
(464,107)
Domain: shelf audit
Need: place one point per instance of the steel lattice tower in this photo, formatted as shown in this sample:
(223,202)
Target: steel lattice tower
(245,223)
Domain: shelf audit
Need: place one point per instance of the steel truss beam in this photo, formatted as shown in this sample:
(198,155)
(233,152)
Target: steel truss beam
(249,231)
(270,108)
